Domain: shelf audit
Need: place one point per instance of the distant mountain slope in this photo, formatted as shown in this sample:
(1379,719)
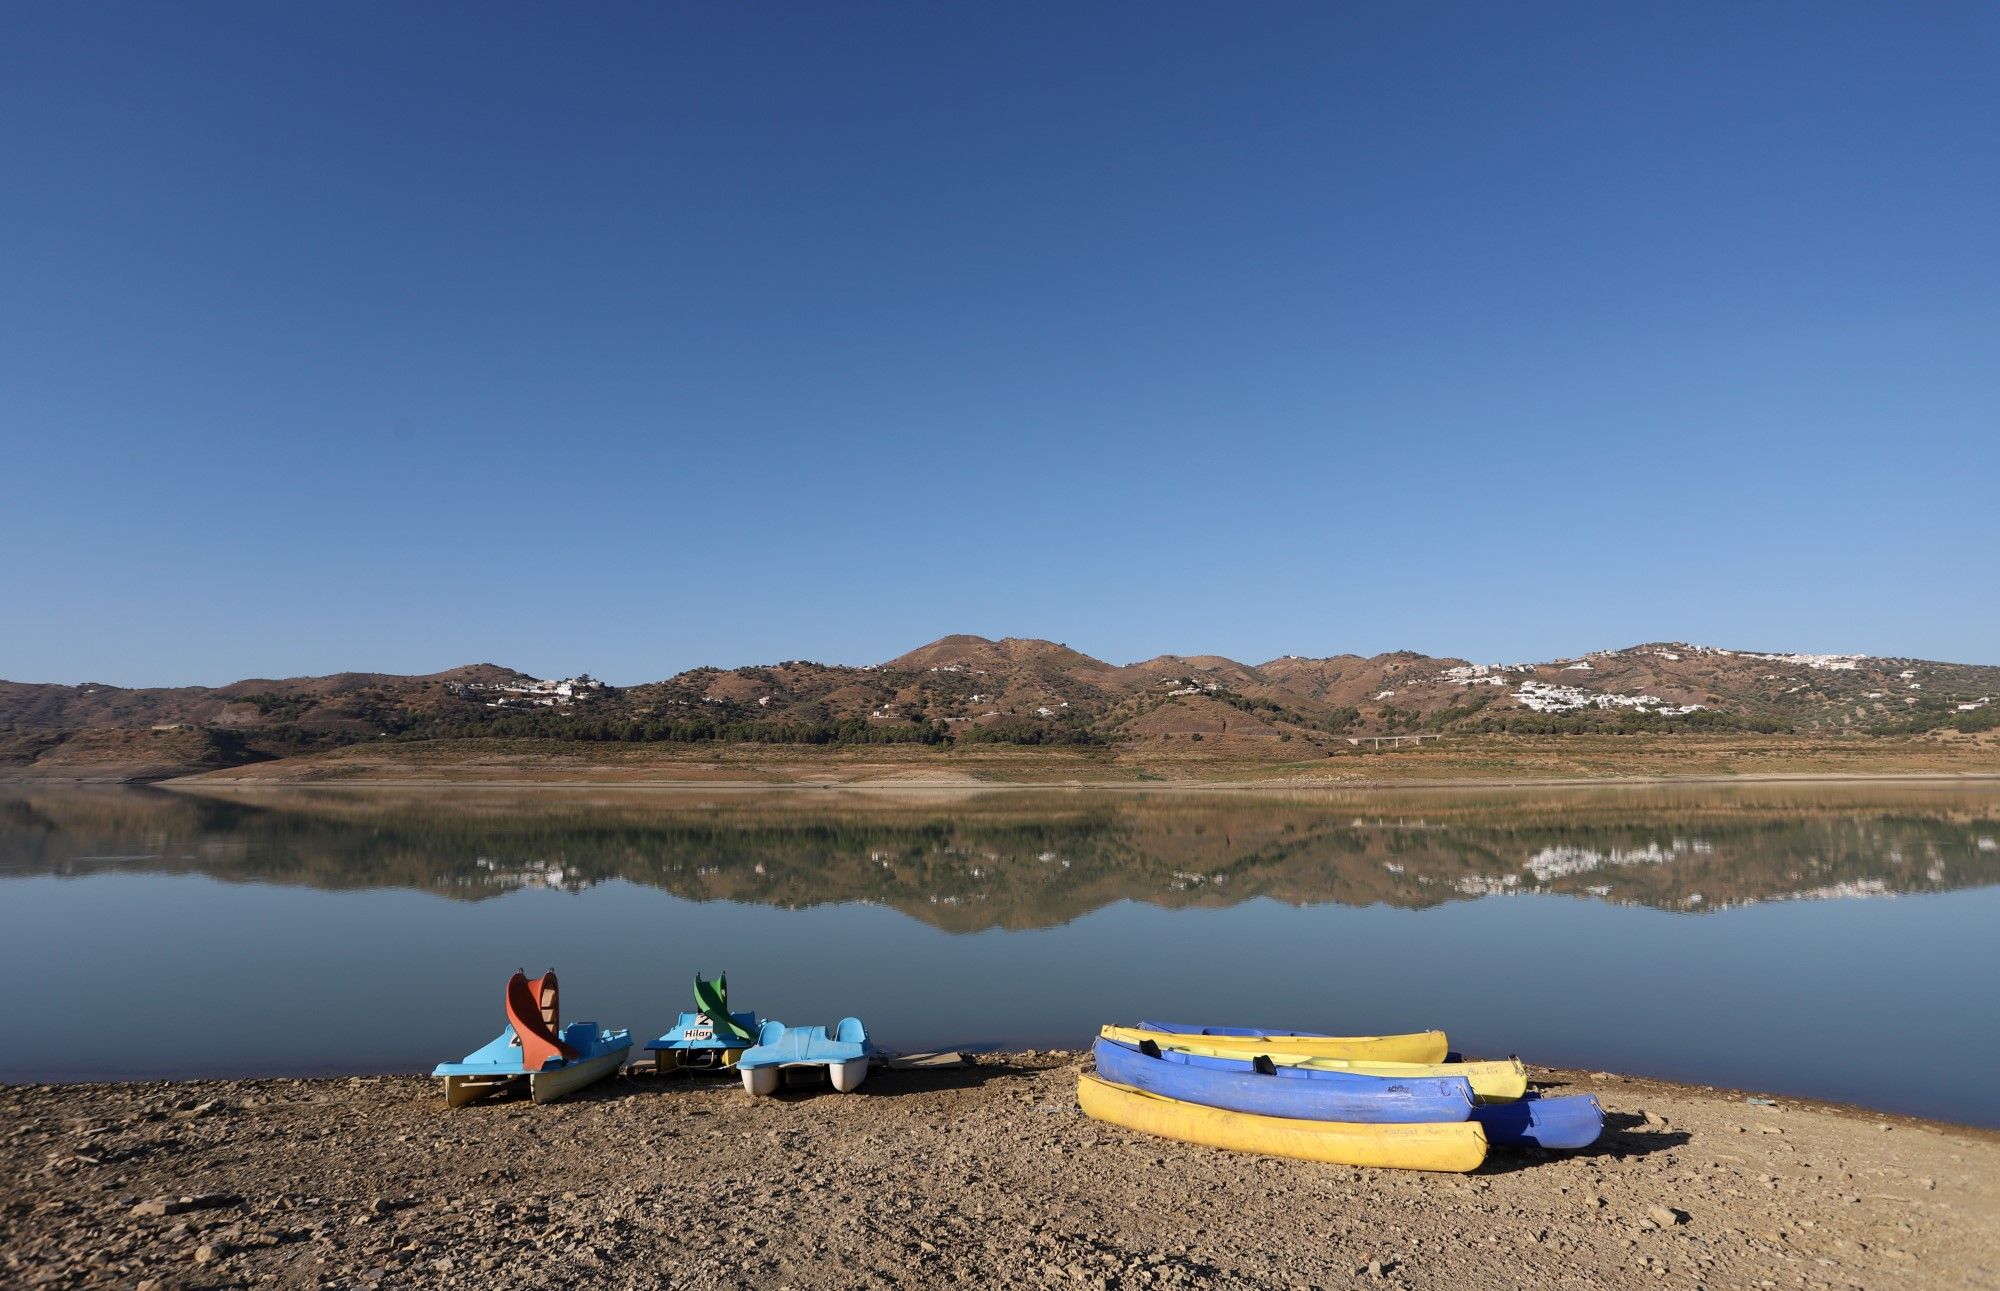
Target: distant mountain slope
(1016,690)
(242,703)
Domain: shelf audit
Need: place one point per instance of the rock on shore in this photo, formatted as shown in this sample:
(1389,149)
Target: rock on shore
(986,1175)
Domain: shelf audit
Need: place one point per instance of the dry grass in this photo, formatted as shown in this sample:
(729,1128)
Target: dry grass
(1473,759)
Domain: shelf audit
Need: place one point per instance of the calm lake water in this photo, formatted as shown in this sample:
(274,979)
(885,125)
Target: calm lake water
(1833,942)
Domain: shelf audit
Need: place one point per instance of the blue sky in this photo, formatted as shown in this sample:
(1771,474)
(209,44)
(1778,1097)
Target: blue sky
(634,338)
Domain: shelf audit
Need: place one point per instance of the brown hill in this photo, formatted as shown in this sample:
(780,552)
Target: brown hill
(1015,690)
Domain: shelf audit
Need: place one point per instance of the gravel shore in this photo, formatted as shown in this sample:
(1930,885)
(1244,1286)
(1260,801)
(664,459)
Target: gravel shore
(984,1175)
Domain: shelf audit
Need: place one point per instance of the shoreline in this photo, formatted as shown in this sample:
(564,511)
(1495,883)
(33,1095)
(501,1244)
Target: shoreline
(975,1175)
(1241,765)
(1807,779)
(635,1070)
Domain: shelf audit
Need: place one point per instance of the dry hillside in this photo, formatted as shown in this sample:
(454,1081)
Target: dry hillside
(1020,691)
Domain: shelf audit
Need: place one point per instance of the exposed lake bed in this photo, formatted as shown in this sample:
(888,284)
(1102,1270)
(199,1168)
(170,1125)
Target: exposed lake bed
(929,1178)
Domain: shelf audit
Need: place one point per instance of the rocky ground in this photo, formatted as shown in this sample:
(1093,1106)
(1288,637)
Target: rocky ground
(985,1175)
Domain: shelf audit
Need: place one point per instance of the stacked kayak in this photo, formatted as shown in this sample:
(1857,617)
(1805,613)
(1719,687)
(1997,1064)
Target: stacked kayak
(1326,1098)
(1242,1087)
(1417,1046)
(1459,1146)
(1506,1078)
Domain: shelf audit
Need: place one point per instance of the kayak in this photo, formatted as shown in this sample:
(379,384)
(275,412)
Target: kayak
(1503,1079)
(1456,1146)
(1418,1046)
(1322,1096)
(1563,1123)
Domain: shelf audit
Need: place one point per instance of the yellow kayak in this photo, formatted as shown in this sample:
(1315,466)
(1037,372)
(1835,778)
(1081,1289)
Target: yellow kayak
(1496,1081)
(1445,1145)
(1418,1046)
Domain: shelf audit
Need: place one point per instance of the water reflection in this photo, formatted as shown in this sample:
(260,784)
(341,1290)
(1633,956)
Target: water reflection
(359,931)
(963,862)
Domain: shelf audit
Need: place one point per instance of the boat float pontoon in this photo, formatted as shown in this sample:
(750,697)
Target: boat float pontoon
(844,1054)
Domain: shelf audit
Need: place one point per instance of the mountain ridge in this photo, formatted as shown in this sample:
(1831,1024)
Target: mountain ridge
(965,688)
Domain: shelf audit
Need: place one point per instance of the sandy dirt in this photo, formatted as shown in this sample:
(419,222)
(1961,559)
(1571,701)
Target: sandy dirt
(987,1175)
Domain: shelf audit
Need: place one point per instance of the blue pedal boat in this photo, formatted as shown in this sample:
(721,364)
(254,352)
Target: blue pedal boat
(844,1054)
(709,1039)
(1244,1086)
(536,1049)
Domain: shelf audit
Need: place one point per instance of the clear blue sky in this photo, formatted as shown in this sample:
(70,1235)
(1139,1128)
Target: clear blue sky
(633,338)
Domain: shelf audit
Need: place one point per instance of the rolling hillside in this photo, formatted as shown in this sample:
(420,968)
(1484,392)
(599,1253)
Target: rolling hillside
(970,690)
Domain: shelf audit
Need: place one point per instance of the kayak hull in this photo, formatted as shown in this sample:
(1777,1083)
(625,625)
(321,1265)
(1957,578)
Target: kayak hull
(1333,1097)
(1500,1080)
(1416,1046)
(560,1082)
(1563,1124)
(1458,1146)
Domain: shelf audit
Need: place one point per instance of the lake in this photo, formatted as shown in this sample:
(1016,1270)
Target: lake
(1828,941)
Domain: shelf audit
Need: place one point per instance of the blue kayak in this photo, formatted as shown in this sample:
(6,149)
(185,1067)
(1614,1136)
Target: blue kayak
(1328,1096)
(1565,1122)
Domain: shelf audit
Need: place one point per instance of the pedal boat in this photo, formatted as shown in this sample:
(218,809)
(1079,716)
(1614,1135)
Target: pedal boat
(1453,1146)
(535,1049)
(844,1054)
(1498,1080)
(709,1039)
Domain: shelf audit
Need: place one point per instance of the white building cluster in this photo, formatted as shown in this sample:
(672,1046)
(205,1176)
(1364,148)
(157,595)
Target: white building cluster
(1545,697)
(558,693)
(1560,862)
(531,874)
(1481,674)
(1823,662)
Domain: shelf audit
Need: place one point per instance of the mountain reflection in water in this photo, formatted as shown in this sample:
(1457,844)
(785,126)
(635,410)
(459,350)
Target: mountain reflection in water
(357,930)
(967,861)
